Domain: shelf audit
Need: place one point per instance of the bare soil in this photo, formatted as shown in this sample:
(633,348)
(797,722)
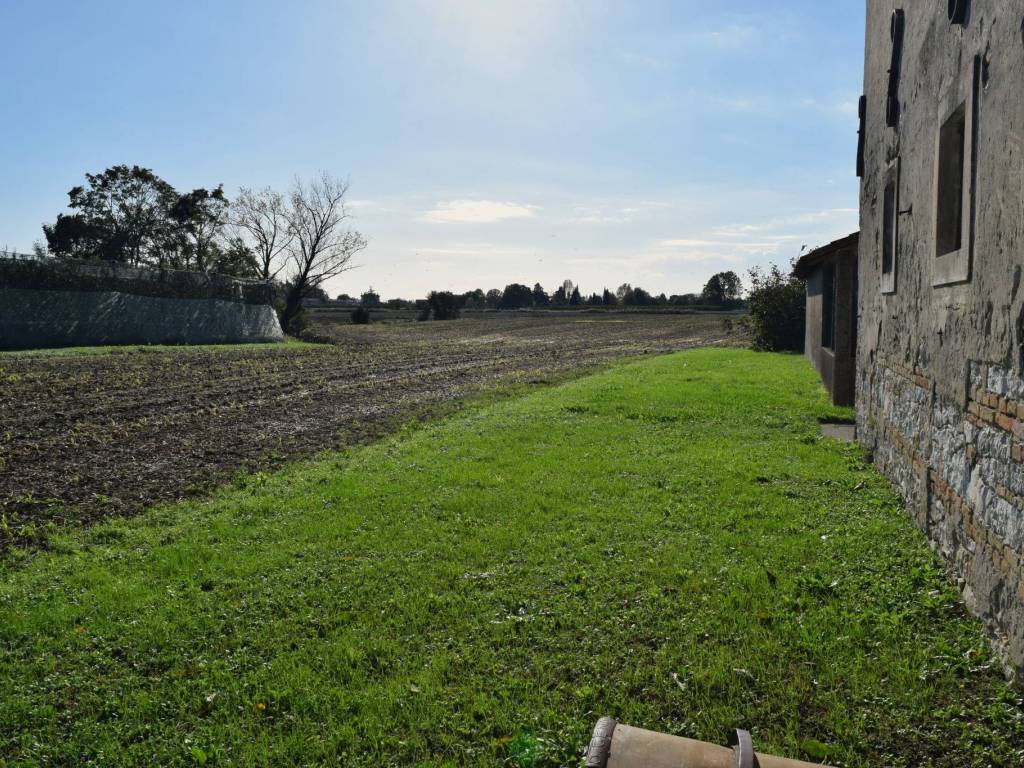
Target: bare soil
(87,436)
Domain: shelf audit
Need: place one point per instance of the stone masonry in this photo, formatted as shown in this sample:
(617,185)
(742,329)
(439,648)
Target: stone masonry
(940,356)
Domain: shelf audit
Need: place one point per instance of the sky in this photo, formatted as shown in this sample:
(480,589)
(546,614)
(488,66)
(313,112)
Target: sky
(486,141)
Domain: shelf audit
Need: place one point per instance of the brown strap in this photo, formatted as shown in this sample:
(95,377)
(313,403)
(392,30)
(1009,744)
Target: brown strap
(743,746)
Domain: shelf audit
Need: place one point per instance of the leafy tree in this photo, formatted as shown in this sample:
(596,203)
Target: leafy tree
(121,214)
(474,299)
(778,306)
(622,292)
(444,305)
(723,289)
(641,298)
(198,219)
(575,299)
(516,296)
(608,298)
(595,300)
(493,298)
(233,258)
(540,296)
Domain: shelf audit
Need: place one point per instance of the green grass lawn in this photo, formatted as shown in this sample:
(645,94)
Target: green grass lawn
(670,542)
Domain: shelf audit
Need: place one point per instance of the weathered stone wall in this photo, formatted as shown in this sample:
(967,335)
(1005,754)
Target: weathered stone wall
(61,303)
(940,353)
(34,319)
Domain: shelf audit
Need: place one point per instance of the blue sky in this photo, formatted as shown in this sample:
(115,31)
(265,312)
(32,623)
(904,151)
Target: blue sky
(486,142)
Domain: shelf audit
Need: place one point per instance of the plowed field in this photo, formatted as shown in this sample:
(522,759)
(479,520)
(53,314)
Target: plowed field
(83,436)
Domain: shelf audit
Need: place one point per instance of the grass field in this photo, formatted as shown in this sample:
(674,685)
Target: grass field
(670,542)
(92,433)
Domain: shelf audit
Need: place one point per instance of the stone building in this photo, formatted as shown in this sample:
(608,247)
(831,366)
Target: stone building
(830,340)
(940,357)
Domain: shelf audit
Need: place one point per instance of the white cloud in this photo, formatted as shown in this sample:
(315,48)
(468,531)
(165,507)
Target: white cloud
(476,212)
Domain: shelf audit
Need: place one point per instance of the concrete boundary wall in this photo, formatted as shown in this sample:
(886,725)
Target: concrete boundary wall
(32,318)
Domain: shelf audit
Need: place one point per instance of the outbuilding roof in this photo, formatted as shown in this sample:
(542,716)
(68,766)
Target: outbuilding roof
(843,247)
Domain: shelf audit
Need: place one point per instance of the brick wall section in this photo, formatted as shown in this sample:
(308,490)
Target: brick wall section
(961,472)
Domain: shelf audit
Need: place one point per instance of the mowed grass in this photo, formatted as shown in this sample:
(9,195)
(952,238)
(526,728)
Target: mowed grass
(670,542)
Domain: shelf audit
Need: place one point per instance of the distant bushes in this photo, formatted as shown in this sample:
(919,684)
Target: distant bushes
(442,305)
(778,305)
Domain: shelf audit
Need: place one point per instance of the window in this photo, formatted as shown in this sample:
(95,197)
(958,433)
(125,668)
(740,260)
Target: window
(955,177)
(828,306)
(949,230)
(890,227)
(892,100)
(862,111)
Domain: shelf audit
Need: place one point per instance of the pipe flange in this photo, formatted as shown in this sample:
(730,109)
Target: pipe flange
(600,746)
(743,747)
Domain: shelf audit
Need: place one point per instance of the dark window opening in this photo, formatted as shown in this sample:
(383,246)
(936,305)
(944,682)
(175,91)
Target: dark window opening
(889,214)
(950,203)
(862,110)
(828,306)
(892,102)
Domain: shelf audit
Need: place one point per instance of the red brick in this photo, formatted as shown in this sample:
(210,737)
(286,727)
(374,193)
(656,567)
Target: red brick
(1005,422)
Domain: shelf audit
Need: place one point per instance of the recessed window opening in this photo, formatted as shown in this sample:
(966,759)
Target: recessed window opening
(889,229)
(828,306)
(892,99)
(950,203)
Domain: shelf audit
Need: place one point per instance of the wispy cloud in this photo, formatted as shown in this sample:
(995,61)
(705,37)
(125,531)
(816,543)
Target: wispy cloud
(476,212)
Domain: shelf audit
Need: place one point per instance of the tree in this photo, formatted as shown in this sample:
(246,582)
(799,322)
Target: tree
(723,289)
(575,300)
(493,298)
(474,299)
(122,214)
(622,292)
(516,296)
(641,298)
(559,298)
(608,298)
(322,246)
(199,218)
(540,296)
(261,219)
(233,258)
(778,307)
(568,286)
(370,298)
(595,300)
(444,305)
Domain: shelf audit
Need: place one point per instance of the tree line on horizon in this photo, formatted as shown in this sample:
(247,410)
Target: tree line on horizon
(723,290)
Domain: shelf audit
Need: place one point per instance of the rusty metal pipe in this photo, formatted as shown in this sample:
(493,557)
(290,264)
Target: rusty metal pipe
(621,746)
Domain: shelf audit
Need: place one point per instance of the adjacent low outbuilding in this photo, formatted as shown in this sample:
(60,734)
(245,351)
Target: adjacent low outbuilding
(831,336)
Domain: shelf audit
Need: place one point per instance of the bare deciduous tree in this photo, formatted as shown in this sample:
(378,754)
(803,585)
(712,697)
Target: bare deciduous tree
(263,220)
(322,244)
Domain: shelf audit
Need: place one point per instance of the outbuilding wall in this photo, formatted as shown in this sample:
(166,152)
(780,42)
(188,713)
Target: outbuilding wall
(940,391)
